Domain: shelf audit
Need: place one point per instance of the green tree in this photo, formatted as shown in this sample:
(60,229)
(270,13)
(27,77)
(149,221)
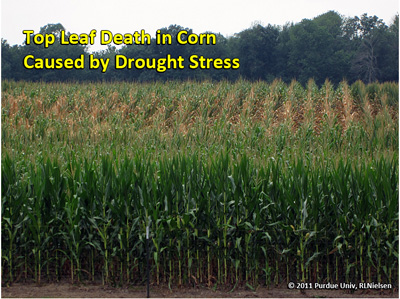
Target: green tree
(377,48)
(256,49)
(316,49)
(9,55)
(388,52)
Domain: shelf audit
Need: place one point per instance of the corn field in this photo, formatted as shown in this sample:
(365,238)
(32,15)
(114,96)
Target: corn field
(241,183)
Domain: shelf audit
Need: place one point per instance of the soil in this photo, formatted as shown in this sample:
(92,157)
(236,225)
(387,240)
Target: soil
(68,290)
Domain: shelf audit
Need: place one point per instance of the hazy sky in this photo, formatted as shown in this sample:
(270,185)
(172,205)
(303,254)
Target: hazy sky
(127,16)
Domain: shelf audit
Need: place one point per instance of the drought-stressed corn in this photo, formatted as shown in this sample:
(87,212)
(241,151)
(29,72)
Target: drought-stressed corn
(241,183)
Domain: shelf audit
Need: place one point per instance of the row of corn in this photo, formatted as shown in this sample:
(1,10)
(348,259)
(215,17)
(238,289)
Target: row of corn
(220,220)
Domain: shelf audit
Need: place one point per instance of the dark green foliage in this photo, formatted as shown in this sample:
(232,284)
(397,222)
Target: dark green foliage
(329,46)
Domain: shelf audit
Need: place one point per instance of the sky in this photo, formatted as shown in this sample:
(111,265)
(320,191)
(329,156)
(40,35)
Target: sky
(127,16)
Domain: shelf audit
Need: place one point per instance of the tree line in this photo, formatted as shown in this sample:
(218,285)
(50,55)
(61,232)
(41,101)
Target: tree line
(329,46)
